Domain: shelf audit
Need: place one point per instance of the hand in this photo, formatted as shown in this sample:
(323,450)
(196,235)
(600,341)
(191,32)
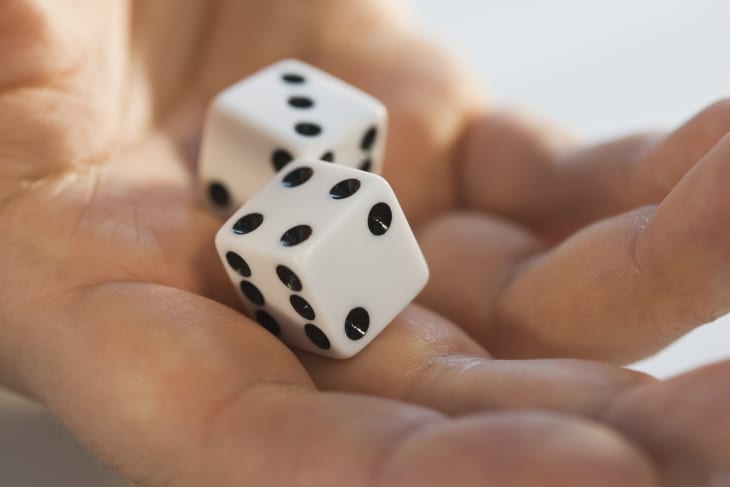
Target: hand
(111,298)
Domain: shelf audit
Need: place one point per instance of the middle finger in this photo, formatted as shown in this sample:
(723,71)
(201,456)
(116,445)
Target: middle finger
(423,358)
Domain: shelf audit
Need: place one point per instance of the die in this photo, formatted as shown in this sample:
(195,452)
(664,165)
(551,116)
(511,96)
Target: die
(286,111)
(323,257)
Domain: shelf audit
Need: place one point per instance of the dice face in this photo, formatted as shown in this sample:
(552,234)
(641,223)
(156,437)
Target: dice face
(323,257)
(287,111)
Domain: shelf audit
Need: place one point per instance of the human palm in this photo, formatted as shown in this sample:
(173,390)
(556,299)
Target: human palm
(123,322)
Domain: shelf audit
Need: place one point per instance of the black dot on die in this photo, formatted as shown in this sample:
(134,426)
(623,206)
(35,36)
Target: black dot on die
(366,165)
(368,140)
(248,223)
(302,307)
(308,129)
(296,235)
(317,336)
(238,264)
(288,278)
(297,177)
(301,102)
(218,194)
(280,158)
(344,189)
(328,156)
(252,293)
(379,219)
(357,323)
(267,321)
(293,78)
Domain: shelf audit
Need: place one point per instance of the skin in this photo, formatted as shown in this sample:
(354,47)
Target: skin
(116,314)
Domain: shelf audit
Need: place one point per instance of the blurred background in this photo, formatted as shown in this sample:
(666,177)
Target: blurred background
(601,68)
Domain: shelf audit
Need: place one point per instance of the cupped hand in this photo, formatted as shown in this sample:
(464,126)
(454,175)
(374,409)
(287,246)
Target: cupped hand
(117,315)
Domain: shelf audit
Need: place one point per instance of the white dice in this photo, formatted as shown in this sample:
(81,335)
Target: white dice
(323,257)
(286,111)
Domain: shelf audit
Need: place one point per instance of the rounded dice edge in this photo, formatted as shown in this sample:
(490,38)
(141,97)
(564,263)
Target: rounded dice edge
(378,153)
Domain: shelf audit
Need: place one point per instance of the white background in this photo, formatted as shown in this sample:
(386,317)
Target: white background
(603,68)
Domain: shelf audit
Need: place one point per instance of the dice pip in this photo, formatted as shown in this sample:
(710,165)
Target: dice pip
(323,257)
(286,111)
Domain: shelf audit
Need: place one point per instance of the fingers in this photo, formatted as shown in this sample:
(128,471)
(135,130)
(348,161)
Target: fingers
(173,389)
(618,290)
(530,171)
(321,439)
(526,303)
(684,423)
(632,284)
(422,358)
(523,170)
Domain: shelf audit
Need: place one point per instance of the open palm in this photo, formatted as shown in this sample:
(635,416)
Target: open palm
(117,315)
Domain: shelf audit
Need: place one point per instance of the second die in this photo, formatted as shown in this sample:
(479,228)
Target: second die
(286,111)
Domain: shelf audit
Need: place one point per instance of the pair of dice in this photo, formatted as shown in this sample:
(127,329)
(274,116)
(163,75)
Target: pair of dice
(320,252)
